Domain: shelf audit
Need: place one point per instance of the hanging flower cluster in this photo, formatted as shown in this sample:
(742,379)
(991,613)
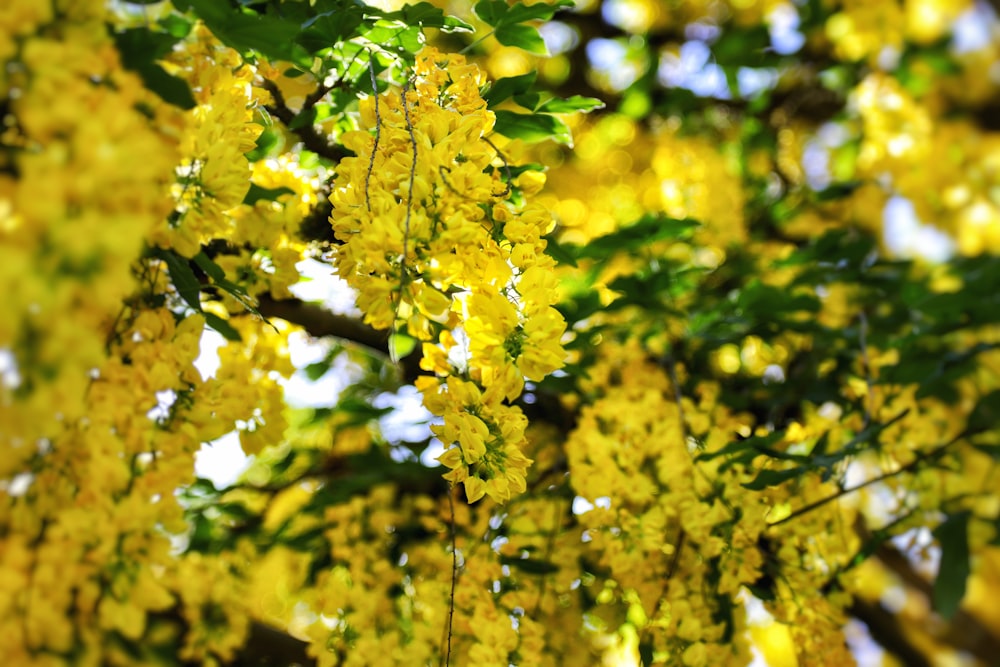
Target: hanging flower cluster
(438,240)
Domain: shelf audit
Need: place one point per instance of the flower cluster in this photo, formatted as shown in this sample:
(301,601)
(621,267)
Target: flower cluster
(437,243)
(214,175)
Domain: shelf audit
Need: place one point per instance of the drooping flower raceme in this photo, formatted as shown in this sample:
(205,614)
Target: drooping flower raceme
(437,244)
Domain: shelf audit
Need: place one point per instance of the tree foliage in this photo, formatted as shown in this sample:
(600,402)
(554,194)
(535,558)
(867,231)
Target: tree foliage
(690,311)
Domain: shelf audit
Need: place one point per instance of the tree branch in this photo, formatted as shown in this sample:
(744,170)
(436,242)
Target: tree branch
(964,632)
(311,138)
(886,630)
(267,646)
(320,322)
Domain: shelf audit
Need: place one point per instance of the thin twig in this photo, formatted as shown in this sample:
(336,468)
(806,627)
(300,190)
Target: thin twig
(506,166)
(679,400)
(676,556)
(869,382)
(409,210)
(472,44)
(447,183)
(549,550)
(454,574)
(933,454)
(378,134)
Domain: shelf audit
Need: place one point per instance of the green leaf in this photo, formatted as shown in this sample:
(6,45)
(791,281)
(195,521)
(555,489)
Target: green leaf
(316,370)
(176,25)
(222,326)
(140,48)
(747,448)
(559,252)
(359,411)
(749,47)
(267,142)
(171,89)
(647,229)
(530,565)
(837,191)
(427,15)
(218,276)
(646,653)
(522,36)
(532,128)
(986,415)
(211,269)
(528,100)
(539,11)
(491,12)
(391,33)
(953,573)
(142,45)
(246,31)
(497,13)
(324,30)
(571,104)
(505,88)
(580,306)
(766,478)
(256,193)
(400,345)
(182,276)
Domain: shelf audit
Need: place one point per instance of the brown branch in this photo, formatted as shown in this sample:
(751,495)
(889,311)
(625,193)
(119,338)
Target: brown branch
(267,646)
(315,226)
(995,4)
(964,632)
(887,631)
(320,322)
(310,137)
(912,465)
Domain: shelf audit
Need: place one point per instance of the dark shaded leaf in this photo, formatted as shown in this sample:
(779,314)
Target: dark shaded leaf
(766,478)
(427,15)
(530,565)
(508,86)
(953,573)
(182,276)
(985,417)
(140,48)
(256,193)
(222,326)
(268,34)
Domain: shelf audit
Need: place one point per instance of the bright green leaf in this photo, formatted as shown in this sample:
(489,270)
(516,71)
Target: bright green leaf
(571,104)
(400,345)
(539,11)
(531,128)
(522,36)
